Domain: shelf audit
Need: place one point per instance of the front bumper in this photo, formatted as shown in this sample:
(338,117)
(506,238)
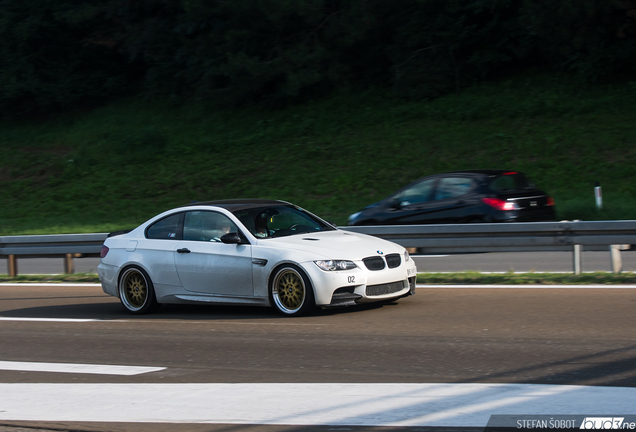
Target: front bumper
(360,285)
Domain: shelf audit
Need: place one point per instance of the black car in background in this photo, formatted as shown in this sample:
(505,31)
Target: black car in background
(462,197)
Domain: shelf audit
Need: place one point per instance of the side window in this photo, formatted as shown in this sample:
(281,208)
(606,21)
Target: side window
(206,226)
(418,193)
(453,187)
(168,228)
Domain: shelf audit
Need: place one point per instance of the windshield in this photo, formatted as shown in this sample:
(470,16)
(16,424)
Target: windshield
(280,221)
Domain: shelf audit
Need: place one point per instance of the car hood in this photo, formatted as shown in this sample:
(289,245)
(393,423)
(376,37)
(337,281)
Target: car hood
(370,206)
(336,244)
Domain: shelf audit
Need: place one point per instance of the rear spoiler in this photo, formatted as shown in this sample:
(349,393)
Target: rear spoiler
(116,233)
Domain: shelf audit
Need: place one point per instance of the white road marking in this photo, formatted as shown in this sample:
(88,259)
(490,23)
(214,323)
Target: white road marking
(441,405)
(83,320)
(529,286)
(77,368)
(64,284)
(517,272)
(79,320)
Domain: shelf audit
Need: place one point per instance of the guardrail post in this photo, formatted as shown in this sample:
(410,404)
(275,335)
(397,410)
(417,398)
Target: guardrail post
(12,265)
(577,259)
(615,257)
(69,265)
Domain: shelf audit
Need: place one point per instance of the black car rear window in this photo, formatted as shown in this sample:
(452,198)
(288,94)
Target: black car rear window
(510,182)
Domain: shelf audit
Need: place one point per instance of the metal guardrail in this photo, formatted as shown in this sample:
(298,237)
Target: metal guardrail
(66,246)
(511,237)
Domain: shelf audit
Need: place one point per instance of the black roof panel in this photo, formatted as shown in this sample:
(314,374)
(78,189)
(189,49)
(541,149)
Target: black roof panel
(240,204)
(487,172)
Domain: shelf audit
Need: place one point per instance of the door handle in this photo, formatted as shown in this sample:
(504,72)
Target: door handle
(183,250)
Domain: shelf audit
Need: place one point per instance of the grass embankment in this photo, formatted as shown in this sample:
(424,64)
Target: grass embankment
(463,278)
(112,168)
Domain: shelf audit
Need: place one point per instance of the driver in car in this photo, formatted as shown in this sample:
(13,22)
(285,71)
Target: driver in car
(260,225)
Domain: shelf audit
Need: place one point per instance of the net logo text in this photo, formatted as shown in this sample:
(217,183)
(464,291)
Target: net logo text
(606,423)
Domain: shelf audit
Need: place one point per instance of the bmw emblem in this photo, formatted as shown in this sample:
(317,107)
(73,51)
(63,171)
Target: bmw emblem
(381,253)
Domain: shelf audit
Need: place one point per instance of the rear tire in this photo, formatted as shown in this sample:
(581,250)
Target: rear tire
(290,291)
(136,292)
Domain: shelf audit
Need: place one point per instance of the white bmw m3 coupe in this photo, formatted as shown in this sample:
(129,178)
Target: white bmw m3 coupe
(252,252)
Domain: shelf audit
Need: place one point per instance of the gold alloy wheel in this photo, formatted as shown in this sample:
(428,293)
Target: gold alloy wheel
(289,290)
(135,289)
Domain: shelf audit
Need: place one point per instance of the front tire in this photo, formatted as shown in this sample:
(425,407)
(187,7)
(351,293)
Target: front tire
(290,291)
(136,292)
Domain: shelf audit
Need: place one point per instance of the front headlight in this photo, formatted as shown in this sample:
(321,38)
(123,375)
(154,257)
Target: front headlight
(335,265)
(353,217)
(406,256)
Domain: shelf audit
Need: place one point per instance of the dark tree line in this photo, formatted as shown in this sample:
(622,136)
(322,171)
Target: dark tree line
(65,53)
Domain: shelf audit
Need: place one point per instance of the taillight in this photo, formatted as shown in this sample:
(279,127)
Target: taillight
(104,251)
(550,201)
(500,204)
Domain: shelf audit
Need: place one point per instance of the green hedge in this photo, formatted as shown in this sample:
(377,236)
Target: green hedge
(72,53)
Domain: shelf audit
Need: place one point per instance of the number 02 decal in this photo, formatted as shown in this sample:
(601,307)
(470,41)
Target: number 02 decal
(351,279)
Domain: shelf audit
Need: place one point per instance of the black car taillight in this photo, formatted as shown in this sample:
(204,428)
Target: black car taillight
(500,204)
(550,201)
(104,251)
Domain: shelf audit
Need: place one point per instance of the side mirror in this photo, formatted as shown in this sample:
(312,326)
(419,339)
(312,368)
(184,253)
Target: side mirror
(395,203)
(232,238)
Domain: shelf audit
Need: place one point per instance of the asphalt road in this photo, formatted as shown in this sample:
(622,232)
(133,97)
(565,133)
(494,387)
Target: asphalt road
(566,336)
(582,337)
(485,262)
